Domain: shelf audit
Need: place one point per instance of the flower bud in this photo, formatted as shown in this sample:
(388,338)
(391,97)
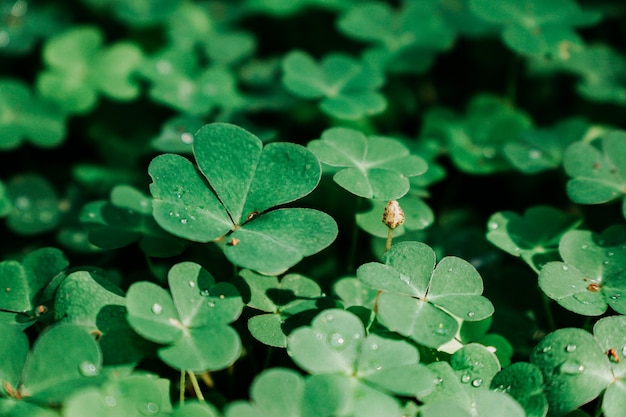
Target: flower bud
(393,215)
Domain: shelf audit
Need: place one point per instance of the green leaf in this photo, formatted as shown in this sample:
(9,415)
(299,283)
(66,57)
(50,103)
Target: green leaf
(131,396)
(534,236)
(475,365)
(78,67)
(610,334)
(374,167)
(417,301)
(346,87)
(591,277)
(598,176)
(536,27)
(524,382)
(64,359)
(125,219)
(23,283)
(353,292)
(574,367)
(35,205)
(241,171)
(176,134)
(23,24)
(137,13)
(24,116)
(196,409)
(13,349)
(192,323)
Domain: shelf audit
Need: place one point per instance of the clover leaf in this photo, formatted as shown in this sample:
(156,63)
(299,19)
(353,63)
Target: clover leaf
(374,167)
(598,175)
(24,116)
(87,298)
(35,205)
(79,67)
(196,409)
(420,300)
(23,284)
(578,367)
(191,322)
(64,358)
(290,302)
(475,142)
(246,181)
(346,87)
(591,276)
(534,236)
(126,219)
(401,45)
(524,382)
(460,389)
(129,396)
(335,345)
(536,27)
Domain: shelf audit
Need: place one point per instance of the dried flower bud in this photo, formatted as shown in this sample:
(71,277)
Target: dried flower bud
(393,215)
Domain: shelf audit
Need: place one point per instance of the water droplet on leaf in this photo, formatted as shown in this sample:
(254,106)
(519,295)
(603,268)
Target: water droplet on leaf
(329,317)
(157,308)
(470,314)
(110,401)
(493,225)
(565,267)
(187,138)
(534,154)
(87,368)
(152,408)
(438,380)
(183,221)
(570,348)
(205,292)
(465,378)
(211,304)
(572,367)
(477,382)
(337,341)
(192,284)
(374,346)
(546,349)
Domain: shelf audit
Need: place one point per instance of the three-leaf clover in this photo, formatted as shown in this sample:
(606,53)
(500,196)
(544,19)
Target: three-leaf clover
(422,301)
(524,382)
(125,219)
(79,68)
(191,322)
(373,167)
(24,116)
(401,44)
(64,358)
(335,347)
(536,27)
(34,205)
(577,367)
(591,276)
(290,303)
(598,175)
(346,87)
(238,184)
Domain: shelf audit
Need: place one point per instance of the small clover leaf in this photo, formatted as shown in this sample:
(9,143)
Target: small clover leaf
(536,27)
(475,142)
(417,299)
(22,285)
(192,322)
(374,167)
(336,343)
(399,41)
(79,67)
(64,358)
(591,276)
(524,382)
(347,88)
(24,116)
(35,205)
(534,236)
(86,298)
(126,219)
(240,172)
(197,409)
(598,176)
(130,396)
(353,292)
(475,365)
(22,24)
(576,369)
(290,302)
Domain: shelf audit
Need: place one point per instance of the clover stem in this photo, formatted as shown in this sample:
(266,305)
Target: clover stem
(196,386)
(389,239)
(207,379)
(181,390)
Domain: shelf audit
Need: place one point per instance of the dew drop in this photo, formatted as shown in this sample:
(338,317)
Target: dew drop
(572,367)
(624,350)
(477,382)
(329,317)
(615,297)
(337,340)
(319,336)
(493,225)
(492,349)
(438,380)
(157,308)
(570,348)
(500,388)
(192,284)
(546,349)
(565,267)
(584,246)
(465,378)
(183,221)
(374,346)
(211,304)
(205,292)
(470,314)
(152,408)
(187,138)
(110,401)
(534,154)
(357,336)
(87,368)
(610,253)
(449,269)
(222,296)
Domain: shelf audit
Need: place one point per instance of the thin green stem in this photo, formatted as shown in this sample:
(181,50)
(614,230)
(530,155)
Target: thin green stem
(181,390)
(389,239)
(196,386)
